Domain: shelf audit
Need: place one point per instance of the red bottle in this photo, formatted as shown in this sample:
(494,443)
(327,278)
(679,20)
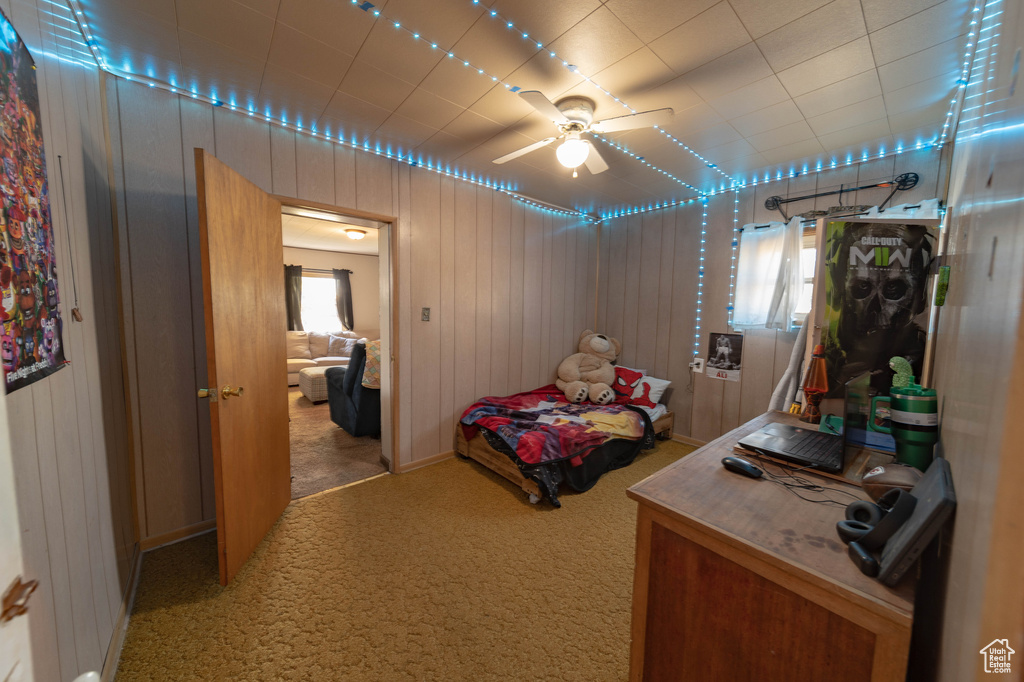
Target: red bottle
(815,386)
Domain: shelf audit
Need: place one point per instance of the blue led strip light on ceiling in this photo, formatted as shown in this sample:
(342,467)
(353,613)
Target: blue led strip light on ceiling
(700,276)
(645,162)
(371,9)
(657,206)
(551,53)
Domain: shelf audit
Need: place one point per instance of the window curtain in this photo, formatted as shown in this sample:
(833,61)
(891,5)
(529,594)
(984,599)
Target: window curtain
(343,287)
(768,276)
(293,296)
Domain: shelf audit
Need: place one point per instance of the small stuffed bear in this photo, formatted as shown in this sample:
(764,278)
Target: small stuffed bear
(590,373)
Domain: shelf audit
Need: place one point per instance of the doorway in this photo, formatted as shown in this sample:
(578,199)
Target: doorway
(338,389)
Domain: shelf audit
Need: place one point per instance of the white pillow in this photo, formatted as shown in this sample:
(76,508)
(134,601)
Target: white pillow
(340,347)
(297,345)
(649,391)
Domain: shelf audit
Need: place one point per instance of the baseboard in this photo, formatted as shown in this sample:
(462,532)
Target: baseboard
(687,440)
(113,656)
(177,535)
(427,461)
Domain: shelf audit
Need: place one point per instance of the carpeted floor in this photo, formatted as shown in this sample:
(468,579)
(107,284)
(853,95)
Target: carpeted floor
(323,455)
(444,573)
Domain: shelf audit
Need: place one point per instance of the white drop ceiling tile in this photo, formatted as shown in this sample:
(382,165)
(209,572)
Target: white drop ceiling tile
(395,52)
(841,139)
(745,164)
(793,152)
(638,141)
(100,14)
(943,59)
(732,150)
(351,116)
(207,65)
(440,22)
(831,67)
(687,122)
(429,109)
(544,19)
(762,17)
(508,141)
(928,118)
(848,116)
(596,42)
(404,132)
(499,51)
(675,95)
(340,24)
(240,28)
(453,82)
(506,108)
(732,71)
(267,7)
(824,29)
(930,27)
(702,39)
(443,148)
(546,75)
(763,93)
(926,93)
(708,138)
(649,20)
(296,97)
(136,41)
(373,85)
(473,127)
(769,118)
(317,61)
(881,13)
(786,135)
(632,77)
(849,91)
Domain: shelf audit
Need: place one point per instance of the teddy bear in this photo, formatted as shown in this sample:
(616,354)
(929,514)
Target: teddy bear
(590,373)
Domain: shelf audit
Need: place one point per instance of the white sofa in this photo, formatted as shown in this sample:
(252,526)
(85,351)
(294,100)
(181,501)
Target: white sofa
(309,349)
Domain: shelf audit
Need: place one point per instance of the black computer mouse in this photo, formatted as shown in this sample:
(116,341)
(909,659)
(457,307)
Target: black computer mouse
(742,466)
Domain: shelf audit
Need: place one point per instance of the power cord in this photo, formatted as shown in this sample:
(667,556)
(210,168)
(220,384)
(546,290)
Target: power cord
(797,485)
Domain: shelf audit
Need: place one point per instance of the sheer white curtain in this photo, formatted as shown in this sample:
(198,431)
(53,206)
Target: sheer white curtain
(768,276)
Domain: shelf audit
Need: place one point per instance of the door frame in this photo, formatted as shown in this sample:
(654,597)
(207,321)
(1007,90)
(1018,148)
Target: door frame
(391,222)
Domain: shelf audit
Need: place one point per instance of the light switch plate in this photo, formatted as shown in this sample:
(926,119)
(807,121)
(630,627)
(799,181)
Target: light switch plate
(425,315)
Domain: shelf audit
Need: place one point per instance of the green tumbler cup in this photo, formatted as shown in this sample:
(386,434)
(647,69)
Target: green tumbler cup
(915,424)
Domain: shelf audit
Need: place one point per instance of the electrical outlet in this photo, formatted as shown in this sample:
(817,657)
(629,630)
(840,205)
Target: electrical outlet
(425,315)
(697,365)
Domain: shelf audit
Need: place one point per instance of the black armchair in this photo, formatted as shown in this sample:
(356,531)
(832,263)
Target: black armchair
(353,407)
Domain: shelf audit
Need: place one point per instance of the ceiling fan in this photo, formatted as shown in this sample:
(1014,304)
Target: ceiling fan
(574,117)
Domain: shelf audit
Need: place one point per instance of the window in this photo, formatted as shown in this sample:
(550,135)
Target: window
(319,305)
(808,258)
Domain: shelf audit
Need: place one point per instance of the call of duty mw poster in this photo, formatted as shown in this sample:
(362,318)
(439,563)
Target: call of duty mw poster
(31,345)
(875,300)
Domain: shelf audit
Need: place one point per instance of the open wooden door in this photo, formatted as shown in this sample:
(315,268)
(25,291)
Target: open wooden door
(243,298)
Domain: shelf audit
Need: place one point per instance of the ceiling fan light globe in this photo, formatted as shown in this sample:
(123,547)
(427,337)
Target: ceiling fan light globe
(572,152)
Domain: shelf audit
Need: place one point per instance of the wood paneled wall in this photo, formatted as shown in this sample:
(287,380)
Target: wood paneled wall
(68,431)
(509,287)
(647,293)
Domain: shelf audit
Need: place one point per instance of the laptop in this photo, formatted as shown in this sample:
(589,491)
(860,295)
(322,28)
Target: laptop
(809,447)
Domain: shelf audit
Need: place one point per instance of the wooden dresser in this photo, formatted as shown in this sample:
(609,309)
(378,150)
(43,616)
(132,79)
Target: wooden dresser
(739,579)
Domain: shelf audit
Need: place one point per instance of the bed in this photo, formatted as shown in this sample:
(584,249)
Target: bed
(538,440)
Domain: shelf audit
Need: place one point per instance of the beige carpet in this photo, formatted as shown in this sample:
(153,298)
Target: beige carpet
(444,573)
(323,455)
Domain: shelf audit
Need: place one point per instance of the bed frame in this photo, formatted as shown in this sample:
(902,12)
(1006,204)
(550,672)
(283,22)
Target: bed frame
(477,449)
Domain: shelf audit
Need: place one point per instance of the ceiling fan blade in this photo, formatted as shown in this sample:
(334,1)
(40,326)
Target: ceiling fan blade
(644,119)
(525,150)
(595,163)
(538,101)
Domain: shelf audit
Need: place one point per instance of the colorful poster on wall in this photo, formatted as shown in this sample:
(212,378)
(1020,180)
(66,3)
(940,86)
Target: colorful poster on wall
(31,346)
(725,355)
(875,300)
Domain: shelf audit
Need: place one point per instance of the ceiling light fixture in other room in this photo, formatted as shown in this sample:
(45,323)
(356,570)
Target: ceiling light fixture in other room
(354,233)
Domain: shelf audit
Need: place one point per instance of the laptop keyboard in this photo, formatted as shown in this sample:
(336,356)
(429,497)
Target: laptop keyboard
(819,448)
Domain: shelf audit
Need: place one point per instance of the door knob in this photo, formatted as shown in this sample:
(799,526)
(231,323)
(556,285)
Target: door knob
(210,393)
(227,392)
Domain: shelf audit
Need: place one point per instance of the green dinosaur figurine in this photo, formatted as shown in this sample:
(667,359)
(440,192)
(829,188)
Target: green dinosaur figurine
(904,374)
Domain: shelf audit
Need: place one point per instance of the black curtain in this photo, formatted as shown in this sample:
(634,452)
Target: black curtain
(293,296)
(343,288)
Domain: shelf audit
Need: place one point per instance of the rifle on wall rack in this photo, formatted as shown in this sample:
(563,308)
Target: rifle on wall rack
(898,184)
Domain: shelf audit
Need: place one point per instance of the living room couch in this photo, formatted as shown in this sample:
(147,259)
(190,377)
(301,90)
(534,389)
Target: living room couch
(309,349)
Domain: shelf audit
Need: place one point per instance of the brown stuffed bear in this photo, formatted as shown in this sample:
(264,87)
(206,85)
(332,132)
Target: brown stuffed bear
(590,373)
